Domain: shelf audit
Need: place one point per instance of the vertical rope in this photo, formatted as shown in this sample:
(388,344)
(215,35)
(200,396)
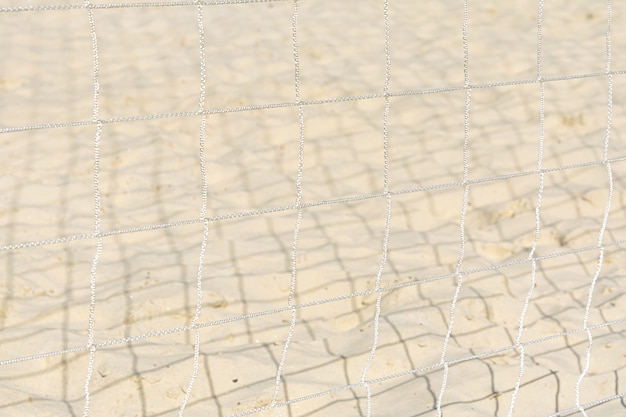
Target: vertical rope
(97,208)
(205,236)
(605,217)
(298,205)
(458,274)
(385,243)
(533,249)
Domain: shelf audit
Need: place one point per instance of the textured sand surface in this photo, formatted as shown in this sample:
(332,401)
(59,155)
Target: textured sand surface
(415,233)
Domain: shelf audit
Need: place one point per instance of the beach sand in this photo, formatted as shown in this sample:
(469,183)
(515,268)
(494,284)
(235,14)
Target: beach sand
(373,229)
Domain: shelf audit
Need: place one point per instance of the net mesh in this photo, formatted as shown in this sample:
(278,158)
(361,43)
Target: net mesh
(306,208)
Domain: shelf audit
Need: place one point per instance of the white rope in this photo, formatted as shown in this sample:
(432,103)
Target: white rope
(204,199)
(531,253)
(596,276)
(97,210)
(457,272)
(385,243)
(298,223)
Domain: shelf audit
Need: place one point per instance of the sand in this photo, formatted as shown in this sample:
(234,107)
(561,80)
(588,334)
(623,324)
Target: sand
(374,245)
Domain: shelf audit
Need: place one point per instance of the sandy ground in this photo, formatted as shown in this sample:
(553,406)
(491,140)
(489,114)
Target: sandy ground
(391,245)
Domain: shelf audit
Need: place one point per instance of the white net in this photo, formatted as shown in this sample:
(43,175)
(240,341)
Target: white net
(312,208)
